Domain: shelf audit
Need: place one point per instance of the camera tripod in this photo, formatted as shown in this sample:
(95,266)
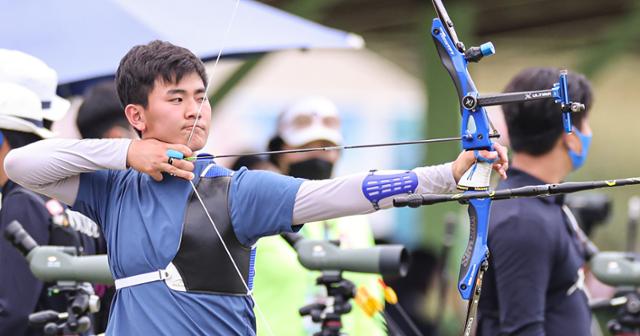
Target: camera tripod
(81,303)
(329,311)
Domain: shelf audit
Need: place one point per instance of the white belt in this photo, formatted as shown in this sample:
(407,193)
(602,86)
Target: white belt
(170,276)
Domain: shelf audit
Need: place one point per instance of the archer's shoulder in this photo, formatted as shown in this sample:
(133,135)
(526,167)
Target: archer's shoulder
(526,217)
(259,182)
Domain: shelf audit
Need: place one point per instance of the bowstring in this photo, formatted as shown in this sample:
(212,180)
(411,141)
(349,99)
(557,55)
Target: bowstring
(193,186)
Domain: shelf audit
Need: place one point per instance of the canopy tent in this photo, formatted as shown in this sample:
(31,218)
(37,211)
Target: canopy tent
(84,40)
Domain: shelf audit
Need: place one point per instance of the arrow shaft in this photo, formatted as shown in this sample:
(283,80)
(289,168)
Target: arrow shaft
(332,148)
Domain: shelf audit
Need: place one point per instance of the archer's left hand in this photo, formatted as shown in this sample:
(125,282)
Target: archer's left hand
(467,158)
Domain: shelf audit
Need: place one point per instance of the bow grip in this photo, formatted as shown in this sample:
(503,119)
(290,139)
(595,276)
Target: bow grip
(478,177)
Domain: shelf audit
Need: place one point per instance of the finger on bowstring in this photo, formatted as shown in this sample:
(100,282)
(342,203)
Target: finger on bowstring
(186,151)
(184,165)
(177,172)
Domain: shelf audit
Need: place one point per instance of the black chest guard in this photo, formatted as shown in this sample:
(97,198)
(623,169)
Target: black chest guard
(202,260)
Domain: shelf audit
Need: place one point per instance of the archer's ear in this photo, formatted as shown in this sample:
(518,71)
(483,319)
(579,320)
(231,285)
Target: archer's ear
(572,141)
(135,116)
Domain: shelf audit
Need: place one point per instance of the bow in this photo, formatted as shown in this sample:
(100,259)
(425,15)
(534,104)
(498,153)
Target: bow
(476,132)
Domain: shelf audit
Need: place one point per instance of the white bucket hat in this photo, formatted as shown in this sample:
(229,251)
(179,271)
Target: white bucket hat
(20,110)
(32,73)
(310,119)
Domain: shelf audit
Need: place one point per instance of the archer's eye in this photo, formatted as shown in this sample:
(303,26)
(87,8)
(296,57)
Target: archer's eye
(176,100)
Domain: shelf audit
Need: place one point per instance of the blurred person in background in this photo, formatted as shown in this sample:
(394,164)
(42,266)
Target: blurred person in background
(21,123)
(101,115)
(535,281)
(35,75)
(254,162)
(307,123)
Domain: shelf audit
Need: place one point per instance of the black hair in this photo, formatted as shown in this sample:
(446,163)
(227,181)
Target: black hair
(249,161)
(275,144)
(17,139)
(100,111)
(144,64)
(535,126)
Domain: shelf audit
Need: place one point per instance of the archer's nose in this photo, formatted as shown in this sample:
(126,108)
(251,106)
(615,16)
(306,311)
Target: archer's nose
(192,108)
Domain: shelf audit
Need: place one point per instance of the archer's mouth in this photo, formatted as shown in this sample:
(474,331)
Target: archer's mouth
(190,127)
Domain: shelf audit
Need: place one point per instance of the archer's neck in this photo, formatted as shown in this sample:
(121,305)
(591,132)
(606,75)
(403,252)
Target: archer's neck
(552,167)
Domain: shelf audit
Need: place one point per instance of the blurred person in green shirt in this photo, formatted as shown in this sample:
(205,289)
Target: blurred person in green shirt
(282,285)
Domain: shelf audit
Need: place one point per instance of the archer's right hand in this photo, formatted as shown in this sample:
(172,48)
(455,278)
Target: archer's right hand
(149,156)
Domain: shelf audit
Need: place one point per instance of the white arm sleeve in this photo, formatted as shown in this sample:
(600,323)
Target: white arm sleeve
(52,167)
(343,196)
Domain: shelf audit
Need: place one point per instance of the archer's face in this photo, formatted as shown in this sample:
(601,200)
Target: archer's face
(171,112)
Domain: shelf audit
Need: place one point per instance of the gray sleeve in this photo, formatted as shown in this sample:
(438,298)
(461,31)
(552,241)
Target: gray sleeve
(342,196)
(52,167)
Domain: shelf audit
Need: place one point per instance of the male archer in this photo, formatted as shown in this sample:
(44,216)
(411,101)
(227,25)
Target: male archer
(534,282)
(174,274)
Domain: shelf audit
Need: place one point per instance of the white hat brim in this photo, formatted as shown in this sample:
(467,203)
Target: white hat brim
(17,124)
(58,109)
(302,137)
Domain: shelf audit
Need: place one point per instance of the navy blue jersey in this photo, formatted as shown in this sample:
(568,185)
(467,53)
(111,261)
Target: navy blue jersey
(534,285)
(142,222)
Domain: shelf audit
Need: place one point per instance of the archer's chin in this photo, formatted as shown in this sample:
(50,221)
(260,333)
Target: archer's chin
(197,143)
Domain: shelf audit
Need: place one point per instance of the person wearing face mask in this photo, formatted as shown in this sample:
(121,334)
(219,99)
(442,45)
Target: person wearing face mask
(309,122)
(534,284)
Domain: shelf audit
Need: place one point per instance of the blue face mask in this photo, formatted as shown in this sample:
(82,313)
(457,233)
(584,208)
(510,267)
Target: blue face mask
(577,160)
(1,139)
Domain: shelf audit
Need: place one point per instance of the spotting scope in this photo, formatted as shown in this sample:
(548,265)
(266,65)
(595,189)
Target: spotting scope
(58,263)
(325,255)
(617,268)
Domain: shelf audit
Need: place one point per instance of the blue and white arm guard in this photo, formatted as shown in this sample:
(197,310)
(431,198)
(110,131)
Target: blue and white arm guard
(379,185)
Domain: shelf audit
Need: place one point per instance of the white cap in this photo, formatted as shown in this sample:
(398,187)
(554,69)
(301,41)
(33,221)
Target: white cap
(310,119)
(32,73)
(21,110)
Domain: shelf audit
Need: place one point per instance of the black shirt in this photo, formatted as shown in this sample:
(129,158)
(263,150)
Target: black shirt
(534,282)
(20,292)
